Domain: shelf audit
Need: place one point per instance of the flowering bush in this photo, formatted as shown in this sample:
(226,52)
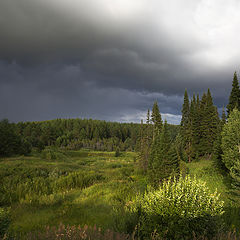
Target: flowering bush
(179,208)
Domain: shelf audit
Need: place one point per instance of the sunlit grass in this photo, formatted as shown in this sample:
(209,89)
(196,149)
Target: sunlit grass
(215,179)
(92,205)
(205,171)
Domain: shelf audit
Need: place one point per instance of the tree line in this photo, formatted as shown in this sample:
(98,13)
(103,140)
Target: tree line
(72,134)
(67,133)
(203,134)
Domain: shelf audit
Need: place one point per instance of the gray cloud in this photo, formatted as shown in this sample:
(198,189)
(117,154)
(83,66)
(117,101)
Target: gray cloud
(111,59)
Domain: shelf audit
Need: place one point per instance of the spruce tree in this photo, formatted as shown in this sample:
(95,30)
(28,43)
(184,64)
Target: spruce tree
(185,125)
(199,125)
(213,121)
(223,118)
(156,119)
(10,142)
(208,124)
(145,143)
(163,160)
(217,149)
(148,117)
(234,98)
(185,110)
(193,129)
(148,128)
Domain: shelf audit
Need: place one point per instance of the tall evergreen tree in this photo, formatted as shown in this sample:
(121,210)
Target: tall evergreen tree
(234,98)
(185,125)
(10,141)
(156,119)
(194,124)
(209,123)
(217,149)
(149,127)
(163,160)
(148,117)
(223,118)
(185,110)
(145,143)
(199,125)
(213,121)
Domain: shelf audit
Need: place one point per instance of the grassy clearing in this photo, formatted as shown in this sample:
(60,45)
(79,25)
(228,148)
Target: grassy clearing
(96,201)
(205,170)
(94,204)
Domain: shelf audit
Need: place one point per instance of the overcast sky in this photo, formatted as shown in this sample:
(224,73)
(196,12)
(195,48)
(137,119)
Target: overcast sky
(111,59)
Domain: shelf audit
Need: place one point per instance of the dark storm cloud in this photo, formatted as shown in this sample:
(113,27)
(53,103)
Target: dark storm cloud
(111,59)
(64,91)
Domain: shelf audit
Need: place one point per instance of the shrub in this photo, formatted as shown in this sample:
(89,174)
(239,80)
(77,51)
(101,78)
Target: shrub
(178,209)
(117,152)
(49,154)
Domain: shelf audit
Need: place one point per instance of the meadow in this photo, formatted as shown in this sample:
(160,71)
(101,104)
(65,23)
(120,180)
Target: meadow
(79,188)
(68,187)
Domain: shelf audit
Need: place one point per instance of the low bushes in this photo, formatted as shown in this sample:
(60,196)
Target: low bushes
(177,209)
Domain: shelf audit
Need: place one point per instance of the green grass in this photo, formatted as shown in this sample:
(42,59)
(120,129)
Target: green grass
(95,204)
(215,179)
(205,171)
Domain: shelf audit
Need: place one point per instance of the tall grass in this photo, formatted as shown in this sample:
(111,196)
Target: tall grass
(206,171)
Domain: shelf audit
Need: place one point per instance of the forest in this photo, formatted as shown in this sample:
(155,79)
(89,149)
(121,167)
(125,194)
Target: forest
(92,179)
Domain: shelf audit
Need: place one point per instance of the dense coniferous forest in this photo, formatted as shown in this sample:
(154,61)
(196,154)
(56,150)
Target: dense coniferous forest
(150,180)
(72,134)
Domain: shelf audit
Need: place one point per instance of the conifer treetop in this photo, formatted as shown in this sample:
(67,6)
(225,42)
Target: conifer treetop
(234,98)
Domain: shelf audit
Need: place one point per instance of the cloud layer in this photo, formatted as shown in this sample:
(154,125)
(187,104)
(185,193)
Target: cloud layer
(112,59)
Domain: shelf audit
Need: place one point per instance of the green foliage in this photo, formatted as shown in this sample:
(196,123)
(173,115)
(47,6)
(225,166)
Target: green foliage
(76,180)
(209,124)
(231,144)
(4,221)
(74,134)
(156,119)
(185,111)
(234,98)
(52,153)
(163,160)
(185,119)
(177,209)
(117,152)
(42,186)
(146,135)
(48,154)
(199,126)
(183,168)
(217,153)
(223,118)
(83,187)
(217,149)
(10,141)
